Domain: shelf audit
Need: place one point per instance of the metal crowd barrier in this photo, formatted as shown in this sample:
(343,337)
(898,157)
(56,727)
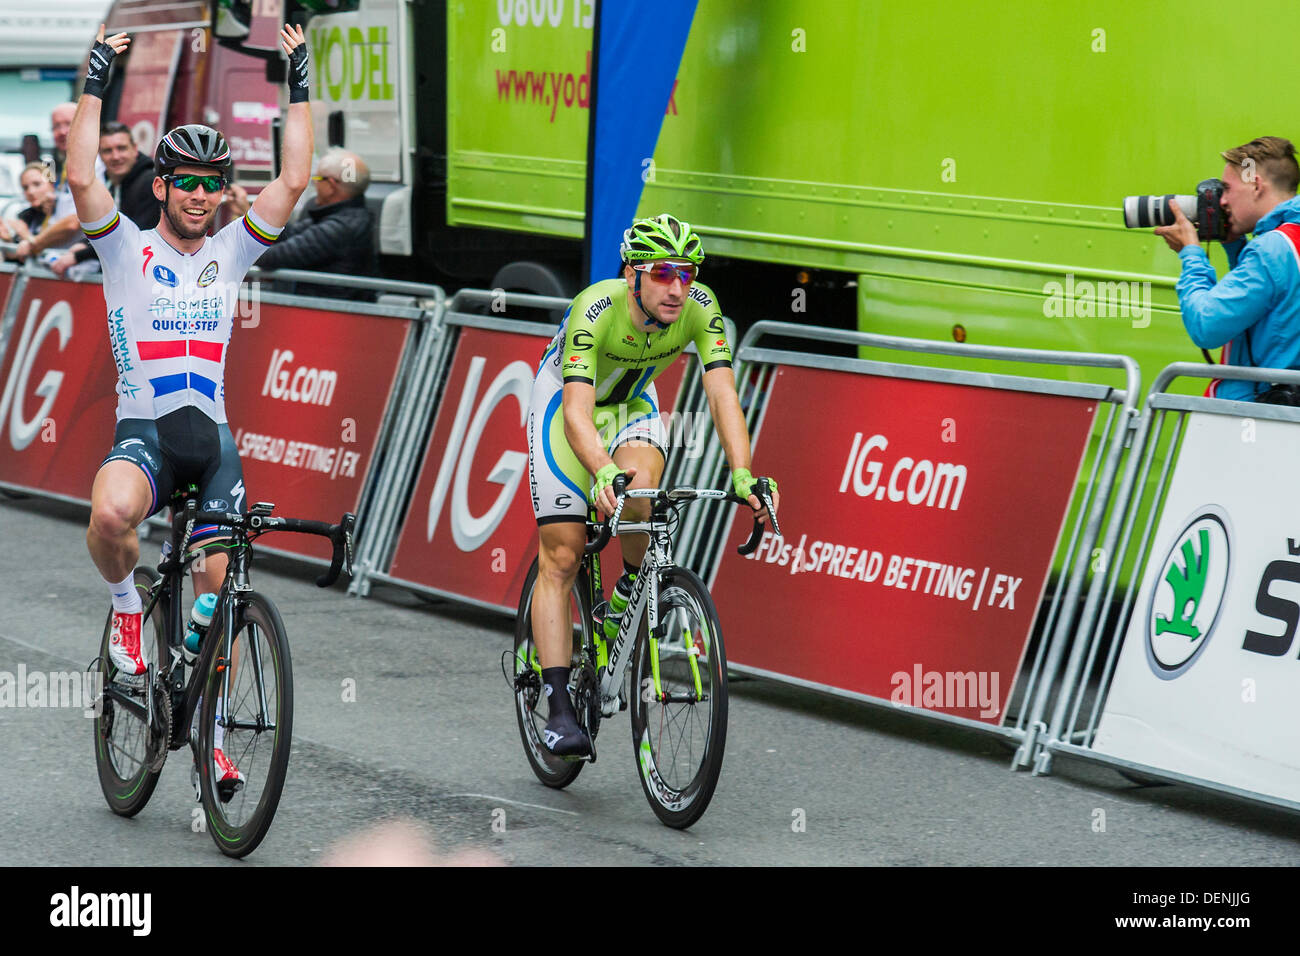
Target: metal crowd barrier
(1088,676)
(420,411)
(702,539)
(399,300)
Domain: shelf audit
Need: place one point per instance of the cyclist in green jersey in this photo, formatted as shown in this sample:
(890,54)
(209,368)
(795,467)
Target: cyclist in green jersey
(594,412)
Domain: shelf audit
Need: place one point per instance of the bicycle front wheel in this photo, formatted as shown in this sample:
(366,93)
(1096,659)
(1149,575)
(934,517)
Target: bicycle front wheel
(679,701)
(127,749)
(247,721)
(532,711)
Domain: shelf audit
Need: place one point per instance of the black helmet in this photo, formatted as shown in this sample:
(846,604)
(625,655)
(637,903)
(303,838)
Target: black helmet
(192,145)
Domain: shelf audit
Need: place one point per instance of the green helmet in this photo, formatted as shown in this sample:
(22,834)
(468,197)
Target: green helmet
(662,237)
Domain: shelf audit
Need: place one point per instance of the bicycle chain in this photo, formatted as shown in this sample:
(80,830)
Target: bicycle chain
(163,707)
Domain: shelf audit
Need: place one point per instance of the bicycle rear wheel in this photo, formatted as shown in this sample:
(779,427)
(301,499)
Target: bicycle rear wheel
(679,702)
(126,748)
(531,708)
(249,687)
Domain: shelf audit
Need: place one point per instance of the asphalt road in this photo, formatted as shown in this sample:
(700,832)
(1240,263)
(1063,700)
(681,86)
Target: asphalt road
(431,739)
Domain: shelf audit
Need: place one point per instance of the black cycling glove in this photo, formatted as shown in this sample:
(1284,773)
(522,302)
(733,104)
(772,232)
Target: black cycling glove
(298,85)
(101,58)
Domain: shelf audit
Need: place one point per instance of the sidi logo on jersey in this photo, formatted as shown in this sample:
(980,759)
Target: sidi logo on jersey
(164,276)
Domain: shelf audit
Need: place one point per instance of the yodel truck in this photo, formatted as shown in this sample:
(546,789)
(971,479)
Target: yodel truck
(925,170)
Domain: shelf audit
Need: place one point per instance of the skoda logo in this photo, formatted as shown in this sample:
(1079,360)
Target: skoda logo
(1189,591)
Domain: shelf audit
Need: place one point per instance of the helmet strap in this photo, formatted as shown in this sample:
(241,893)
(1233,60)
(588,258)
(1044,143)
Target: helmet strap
(636,294)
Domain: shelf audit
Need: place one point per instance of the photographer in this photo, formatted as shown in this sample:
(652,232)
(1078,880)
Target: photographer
(1254,312)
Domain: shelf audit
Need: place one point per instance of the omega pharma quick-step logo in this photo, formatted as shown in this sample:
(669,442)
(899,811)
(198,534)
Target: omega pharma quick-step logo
(1189,593)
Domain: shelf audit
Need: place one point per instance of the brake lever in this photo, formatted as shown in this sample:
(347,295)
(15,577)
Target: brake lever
(762,490)
(349,521)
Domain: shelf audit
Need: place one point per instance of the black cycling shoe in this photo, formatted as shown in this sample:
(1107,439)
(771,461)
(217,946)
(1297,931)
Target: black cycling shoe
(564,738)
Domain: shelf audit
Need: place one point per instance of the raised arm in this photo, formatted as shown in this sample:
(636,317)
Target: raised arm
(91,196)
(274,205)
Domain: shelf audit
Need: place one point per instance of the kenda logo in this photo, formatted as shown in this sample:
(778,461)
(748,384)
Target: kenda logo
(75,908)
(310,386)
(469,531)
(1191,584)
(924,482)
(22,430)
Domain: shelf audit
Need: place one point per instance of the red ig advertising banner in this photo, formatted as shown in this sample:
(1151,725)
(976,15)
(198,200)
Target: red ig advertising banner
(470,530)
(306,391)
(58,390)
(920,522)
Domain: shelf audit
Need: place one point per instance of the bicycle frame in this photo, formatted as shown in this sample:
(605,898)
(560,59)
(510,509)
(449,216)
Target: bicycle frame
(643,600)
(171,585)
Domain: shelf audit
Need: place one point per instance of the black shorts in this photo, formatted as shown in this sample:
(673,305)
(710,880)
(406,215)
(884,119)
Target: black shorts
(182,448)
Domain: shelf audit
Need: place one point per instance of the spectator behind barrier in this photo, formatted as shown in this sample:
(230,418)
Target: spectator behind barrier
(1254,311)
(335,231)
(37,184)
(38,189)
(130,182)
(61,230)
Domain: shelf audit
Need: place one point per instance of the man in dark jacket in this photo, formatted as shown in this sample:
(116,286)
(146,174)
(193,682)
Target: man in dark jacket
(130,177)
(334,232)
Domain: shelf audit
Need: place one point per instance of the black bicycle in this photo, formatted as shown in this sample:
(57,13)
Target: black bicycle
(241,681)
(678,687)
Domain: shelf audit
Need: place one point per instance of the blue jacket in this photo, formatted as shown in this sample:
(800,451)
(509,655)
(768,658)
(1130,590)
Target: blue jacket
(1255,310)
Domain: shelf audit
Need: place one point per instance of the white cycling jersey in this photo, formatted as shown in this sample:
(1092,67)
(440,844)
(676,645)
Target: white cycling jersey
(170,315)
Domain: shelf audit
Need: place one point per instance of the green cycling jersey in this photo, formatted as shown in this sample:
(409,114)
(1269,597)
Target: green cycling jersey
(603,343)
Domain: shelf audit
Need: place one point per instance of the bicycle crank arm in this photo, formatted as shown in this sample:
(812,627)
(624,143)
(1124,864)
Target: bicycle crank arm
(112,693)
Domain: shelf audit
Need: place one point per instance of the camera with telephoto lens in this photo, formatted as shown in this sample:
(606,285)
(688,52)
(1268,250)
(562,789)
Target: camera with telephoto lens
(1203,209)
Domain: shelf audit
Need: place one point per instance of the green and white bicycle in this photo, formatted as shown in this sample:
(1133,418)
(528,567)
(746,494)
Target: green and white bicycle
(672,640)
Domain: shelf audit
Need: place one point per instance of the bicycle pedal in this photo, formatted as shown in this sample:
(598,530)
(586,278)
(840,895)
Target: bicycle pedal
(226,790)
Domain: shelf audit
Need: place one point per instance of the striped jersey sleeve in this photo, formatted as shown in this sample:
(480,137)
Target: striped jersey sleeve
(111,236)
(248,236)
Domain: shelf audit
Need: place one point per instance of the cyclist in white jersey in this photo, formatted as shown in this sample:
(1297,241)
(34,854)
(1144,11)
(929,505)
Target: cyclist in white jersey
(171,293)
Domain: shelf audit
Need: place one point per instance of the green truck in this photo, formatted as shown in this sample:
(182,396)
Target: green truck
(942,169)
